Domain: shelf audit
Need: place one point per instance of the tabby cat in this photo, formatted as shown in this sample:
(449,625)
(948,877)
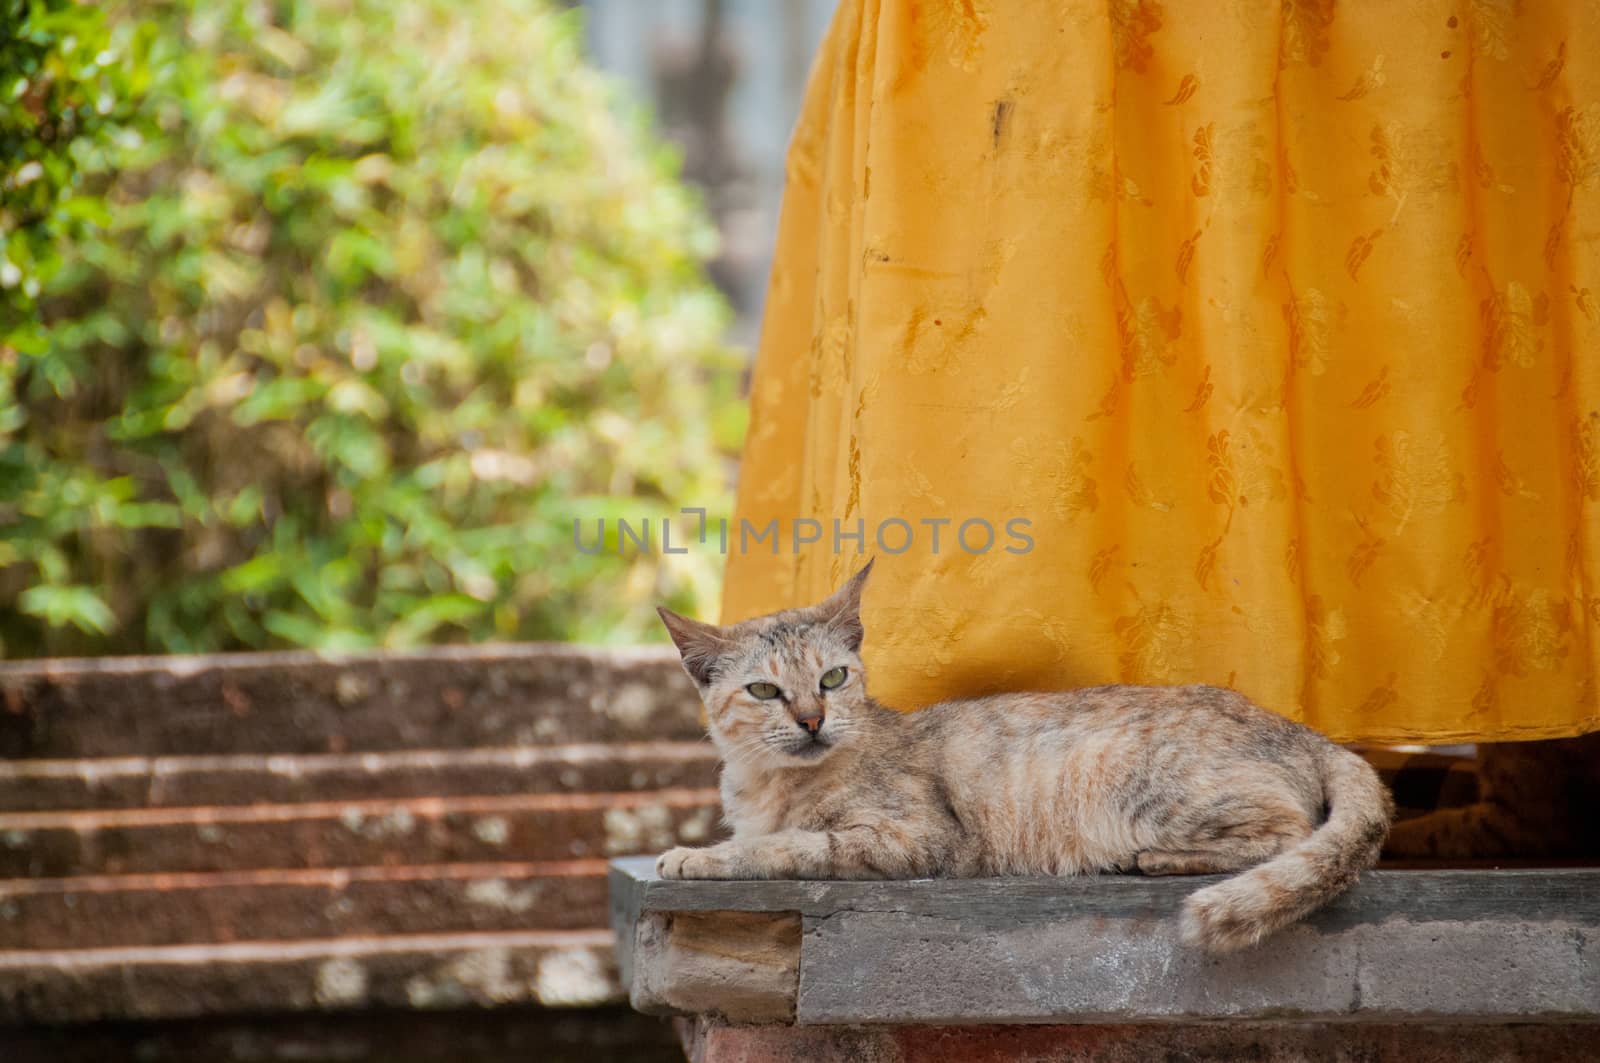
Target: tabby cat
(820,781)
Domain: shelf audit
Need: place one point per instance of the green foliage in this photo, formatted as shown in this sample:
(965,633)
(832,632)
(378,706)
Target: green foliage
(63,90)
(383,296)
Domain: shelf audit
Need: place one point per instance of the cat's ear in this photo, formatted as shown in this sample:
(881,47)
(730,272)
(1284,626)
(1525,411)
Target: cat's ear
(842,611)
(700,645)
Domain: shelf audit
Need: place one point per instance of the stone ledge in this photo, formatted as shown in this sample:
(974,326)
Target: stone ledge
(1404,946)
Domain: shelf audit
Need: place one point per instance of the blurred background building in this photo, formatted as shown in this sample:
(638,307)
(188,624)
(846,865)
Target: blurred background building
(724,79)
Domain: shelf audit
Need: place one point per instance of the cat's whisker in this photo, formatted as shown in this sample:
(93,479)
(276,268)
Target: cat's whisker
(745,750)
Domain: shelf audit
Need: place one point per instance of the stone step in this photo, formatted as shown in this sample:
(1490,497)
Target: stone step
(337,834)
(134,782)
(553,968)
(612,1034)
(285,904)
(461,697)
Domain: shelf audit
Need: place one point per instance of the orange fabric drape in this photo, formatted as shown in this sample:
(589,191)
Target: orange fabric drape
(1280,324)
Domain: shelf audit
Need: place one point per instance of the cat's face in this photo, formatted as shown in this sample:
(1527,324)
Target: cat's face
(784,690)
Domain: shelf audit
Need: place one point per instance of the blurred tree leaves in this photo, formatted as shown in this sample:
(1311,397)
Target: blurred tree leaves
(63,91)
(328,337)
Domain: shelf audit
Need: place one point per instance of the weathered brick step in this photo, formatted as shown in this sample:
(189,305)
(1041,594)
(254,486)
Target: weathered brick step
(476,829)
(459,697)
(544,967)
(218,907)
(133,782)
(610,1034)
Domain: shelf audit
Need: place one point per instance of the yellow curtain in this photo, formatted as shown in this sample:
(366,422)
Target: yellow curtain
(1279,323)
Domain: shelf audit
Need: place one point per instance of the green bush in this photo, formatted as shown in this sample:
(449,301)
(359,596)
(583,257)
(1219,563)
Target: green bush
(63,91)
(385,296)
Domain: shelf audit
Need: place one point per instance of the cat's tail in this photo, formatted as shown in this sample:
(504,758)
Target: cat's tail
(1242,910)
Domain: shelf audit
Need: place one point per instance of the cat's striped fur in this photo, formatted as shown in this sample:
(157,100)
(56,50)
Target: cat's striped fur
(1164,780)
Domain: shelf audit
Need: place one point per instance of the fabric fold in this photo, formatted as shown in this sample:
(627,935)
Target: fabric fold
(1278,326)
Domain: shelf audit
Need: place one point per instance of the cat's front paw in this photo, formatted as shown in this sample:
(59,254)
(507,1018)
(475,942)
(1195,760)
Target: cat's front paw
(670,863)
(1128,865)
(716,861)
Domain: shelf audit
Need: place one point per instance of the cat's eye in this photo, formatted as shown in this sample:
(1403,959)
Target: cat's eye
(764,691)
(832,678)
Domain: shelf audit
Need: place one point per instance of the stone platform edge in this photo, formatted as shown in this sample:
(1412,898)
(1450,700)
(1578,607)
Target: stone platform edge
(1446,946)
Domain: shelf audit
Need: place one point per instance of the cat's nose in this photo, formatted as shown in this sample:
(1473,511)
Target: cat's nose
(812,724)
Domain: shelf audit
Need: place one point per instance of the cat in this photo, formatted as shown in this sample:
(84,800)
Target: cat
(821,781)
(1535,801)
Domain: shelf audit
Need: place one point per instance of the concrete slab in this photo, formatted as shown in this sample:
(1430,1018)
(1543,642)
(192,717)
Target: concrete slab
(1413,946)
